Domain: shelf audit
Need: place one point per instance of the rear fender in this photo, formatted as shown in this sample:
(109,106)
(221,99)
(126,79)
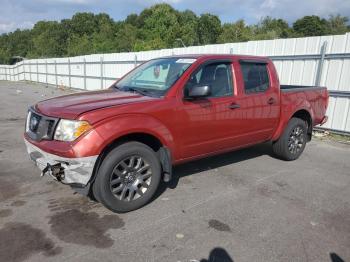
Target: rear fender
(287,111)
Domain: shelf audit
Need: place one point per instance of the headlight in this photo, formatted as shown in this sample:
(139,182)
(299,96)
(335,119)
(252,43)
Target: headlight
(69,130)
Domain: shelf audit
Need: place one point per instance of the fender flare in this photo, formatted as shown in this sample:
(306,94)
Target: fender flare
(282,124)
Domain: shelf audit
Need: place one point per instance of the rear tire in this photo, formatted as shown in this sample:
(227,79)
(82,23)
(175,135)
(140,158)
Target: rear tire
(128,177)
(292,142)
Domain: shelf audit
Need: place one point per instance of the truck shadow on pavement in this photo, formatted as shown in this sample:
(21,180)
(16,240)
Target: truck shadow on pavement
(218,254)
(214,162)
(335,258)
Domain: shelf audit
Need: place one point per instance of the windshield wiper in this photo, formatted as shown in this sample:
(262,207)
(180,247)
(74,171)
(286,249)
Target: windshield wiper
(143,92)
(139,91)
(135,90)
(117,87)
(129,89)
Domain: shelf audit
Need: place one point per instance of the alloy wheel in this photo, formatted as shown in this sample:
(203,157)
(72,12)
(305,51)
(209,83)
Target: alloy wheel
(131,178)
(296,140)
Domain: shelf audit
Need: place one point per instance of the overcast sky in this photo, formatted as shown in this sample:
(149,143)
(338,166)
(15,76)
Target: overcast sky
(25,13)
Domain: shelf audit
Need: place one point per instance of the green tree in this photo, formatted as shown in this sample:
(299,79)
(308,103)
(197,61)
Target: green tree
(82,24)
(311,26)
(160,26)
(103,38)
(155,43)
(235,32)
(17,43)
(79,45)
(209,29)
(271,28)
(338,24)
(48,40)
(126,37)
(188,22)
(132,19)
(5,56)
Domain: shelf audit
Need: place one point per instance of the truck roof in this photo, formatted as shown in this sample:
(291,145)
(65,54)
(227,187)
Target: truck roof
(218,56)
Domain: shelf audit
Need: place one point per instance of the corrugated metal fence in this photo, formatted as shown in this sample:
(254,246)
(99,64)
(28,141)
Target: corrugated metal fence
(321,60)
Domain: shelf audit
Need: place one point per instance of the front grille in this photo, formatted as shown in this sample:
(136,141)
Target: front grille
(40,127)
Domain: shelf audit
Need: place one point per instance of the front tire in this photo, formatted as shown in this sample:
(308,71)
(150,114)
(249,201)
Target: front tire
(128,177)
(292,142)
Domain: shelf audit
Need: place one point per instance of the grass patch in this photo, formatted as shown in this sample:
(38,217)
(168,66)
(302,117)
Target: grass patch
(327,135)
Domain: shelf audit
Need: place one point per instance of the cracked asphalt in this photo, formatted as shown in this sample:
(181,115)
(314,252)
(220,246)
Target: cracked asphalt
(240,206)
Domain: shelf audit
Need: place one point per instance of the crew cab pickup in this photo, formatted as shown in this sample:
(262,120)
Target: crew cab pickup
(118,144)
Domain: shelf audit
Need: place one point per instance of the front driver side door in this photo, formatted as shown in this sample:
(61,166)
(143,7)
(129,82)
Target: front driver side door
(208,124)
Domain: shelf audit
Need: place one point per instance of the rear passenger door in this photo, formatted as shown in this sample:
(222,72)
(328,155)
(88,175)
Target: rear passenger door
(258,98)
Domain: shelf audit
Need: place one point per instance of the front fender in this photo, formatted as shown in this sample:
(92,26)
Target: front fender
(111,129)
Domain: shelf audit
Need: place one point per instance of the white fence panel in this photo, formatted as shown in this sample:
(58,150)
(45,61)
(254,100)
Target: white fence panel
(298,61)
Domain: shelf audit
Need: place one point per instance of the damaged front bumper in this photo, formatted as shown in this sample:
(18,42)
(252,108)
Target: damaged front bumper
(73,171)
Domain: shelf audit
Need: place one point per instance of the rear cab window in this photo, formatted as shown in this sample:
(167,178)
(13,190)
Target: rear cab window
(255,77)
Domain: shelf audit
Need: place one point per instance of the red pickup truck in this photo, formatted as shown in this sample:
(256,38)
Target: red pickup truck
(118,144)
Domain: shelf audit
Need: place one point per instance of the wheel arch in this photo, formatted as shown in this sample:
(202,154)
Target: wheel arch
(305,115)
(302,113)
(148,139)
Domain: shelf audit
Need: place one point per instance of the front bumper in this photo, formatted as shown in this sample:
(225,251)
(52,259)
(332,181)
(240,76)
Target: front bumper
(72,170)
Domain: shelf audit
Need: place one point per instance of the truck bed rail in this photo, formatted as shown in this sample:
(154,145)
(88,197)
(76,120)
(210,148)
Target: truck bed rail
(294,88)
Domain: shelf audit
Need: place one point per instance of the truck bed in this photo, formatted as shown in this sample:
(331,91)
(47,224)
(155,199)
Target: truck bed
(312,98)
(296,88)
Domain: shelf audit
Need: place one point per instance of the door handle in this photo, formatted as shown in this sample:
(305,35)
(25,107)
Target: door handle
(234,106)
(271,101)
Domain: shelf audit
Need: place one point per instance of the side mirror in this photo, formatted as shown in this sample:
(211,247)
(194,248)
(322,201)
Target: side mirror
(198,92)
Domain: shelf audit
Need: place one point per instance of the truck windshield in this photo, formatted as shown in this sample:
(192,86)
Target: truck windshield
(156,76)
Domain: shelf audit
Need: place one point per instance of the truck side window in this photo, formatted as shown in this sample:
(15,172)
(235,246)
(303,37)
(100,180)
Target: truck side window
(255,77)
(216,75)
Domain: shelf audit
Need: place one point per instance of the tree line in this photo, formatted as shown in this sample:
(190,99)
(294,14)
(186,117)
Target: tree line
(160,26)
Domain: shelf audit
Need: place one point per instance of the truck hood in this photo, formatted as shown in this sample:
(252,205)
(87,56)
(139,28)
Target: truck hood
(71,106)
